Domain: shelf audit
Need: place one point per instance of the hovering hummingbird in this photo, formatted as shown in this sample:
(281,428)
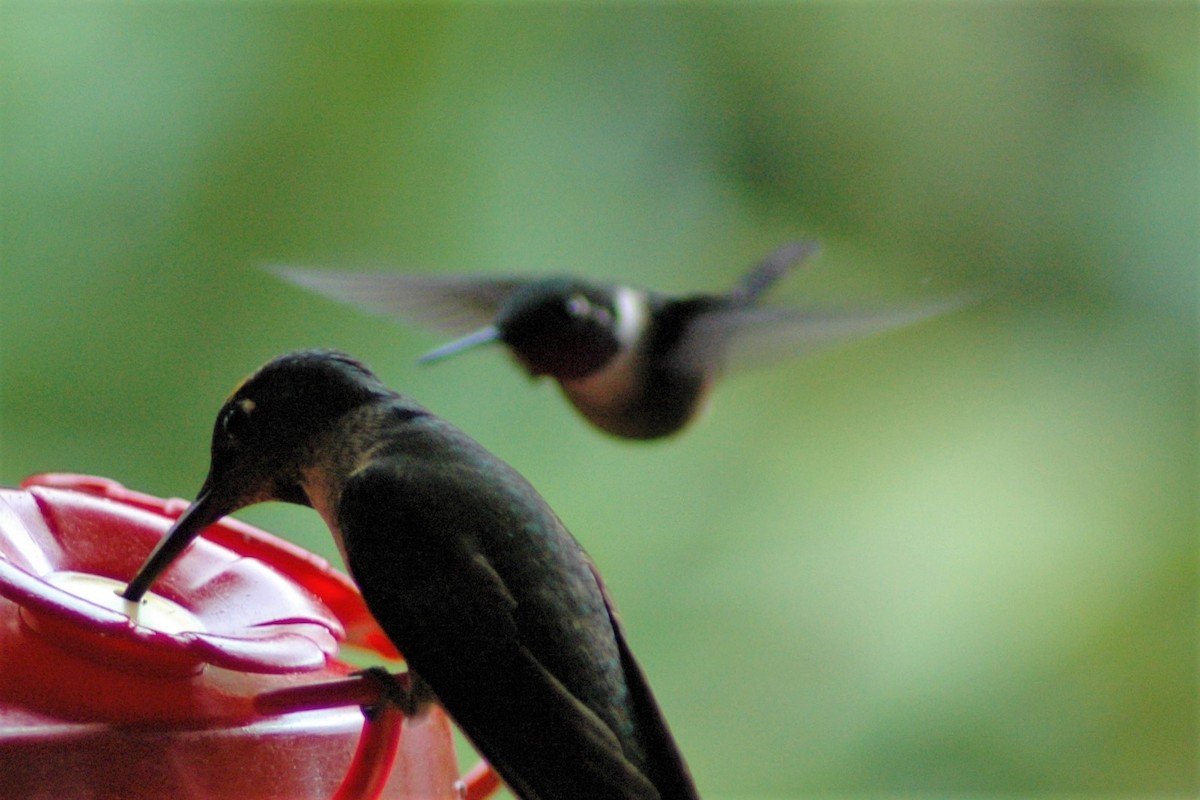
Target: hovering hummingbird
(637,364)
(499,612)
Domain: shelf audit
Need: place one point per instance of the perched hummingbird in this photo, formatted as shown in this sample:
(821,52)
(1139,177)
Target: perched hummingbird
(637,364)
(497,609)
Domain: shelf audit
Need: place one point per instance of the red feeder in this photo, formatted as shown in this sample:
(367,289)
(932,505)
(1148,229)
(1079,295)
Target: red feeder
(206,689)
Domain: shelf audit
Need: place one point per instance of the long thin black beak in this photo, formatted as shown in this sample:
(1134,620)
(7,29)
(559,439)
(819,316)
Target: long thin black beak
(199,515)
(484,335)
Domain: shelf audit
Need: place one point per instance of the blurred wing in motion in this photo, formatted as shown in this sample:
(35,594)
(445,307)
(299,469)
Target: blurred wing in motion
(747,337)
(450,303)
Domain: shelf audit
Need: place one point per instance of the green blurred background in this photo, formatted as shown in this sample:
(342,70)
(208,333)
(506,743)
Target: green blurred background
(958,559)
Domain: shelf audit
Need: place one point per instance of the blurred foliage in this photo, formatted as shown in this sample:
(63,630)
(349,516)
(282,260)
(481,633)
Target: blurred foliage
(961,558)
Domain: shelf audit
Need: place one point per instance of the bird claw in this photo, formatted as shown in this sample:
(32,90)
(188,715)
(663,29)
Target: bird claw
(404,690)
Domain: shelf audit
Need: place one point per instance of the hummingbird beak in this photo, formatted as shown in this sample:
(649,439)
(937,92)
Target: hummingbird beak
(205,510)
(484,335)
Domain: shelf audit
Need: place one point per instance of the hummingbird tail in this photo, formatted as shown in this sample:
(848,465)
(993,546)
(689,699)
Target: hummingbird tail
(764,274)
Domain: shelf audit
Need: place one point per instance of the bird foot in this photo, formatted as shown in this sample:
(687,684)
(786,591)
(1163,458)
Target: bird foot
(404,690)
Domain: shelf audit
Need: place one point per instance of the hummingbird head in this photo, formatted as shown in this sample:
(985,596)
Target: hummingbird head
(266,434)
(562,327)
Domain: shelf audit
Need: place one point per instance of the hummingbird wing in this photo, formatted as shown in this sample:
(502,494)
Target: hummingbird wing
(480,643)
(450,303)
(668,770)
(748,336)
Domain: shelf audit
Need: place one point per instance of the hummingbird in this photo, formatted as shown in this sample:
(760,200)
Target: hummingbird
(500,614)
(636,364)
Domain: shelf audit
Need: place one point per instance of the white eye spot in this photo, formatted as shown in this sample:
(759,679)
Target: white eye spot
(235,422)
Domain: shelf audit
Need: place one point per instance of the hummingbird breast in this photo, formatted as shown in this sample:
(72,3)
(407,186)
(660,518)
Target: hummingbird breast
(607,395)
(645,391)
(632,405)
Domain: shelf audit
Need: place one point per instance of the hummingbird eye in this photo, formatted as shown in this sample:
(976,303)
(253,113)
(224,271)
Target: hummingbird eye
(578,306)
(235,420)
(581,308)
